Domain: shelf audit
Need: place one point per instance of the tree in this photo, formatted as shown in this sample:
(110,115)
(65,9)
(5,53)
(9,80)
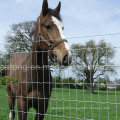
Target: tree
(18,37)
(92,61)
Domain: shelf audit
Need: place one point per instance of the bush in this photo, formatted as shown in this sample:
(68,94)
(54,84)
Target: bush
(67,83)
(118,87)
(57,82)
(64,83)
(100,86)
(103,86)
(4,80)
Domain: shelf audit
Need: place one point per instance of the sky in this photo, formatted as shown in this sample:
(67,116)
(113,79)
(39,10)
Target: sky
(80,18)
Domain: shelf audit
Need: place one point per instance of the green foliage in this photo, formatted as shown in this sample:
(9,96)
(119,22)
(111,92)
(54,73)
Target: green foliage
(18,39)
(102,87)
(101,84)
(118,87)
(4,80)
(57,83)
(4,60)
(64,82)
(68,83)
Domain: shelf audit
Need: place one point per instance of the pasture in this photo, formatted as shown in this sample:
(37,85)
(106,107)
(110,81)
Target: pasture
(73,104)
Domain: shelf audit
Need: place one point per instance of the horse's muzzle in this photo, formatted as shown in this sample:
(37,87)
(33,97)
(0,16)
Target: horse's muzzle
(67,60)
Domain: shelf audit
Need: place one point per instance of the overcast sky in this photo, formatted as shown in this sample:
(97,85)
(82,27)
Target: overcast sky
(80,18)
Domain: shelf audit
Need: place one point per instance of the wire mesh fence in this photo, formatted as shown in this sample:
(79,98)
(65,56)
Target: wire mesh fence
(87,89)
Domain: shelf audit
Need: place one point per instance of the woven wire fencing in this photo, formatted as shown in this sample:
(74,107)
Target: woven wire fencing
(73,96)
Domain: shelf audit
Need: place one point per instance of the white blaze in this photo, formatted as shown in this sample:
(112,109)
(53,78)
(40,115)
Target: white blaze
(68,48)
(60,26)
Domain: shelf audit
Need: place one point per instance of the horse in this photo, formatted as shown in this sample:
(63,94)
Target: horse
(34,80)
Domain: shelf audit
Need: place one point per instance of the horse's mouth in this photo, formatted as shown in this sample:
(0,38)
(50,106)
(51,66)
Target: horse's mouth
(66,60)
(52,57)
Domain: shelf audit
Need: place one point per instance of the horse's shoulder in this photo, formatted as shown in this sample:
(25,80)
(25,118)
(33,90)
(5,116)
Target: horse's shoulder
(21,55)
(19,58)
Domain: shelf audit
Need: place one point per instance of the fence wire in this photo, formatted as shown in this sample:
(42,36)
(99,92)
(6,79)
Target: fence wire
(73,93)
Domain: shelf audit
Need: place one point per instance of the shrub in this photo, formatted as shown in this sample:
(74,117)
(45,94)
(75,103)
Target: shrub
(66,82)
(69,83)
(118,87)
(56,82)
(4,80)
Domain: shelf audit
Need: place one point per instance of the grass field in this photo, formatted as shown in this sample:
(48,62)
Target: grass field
(73,104)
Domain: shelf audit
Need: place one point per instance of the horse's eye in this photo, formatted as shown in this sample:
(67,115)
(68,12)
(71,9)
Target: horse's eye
(62,28)
(48,27)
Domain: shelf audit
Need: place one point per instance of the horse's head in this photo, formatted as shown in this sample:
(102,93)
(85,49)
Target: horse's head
(53,38)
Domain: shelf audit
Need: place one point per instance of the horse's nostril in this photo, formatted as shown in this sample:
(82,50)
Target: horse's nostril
(67,60)
(53,57)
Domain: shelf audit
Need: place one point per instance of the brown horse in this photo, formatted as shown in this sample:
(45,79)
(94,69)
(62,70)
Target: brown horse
(34,85)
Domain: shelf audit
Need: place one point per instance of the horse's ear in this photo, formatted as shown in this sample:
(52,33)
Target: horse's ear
(45,7)
(57,9)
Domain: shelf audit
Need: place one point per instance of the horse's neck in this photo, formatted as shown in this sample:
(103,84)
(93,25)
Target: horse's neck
(42,59)
(39,58)
(39,61)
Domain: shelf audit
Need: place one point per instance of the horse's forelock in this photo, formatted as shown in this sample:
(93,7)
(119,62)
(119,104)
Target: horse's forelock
(55,14)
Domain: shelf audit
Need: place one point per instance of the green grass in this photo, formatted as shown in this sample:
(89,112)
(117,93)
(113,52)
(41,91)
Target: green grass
(73,103)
